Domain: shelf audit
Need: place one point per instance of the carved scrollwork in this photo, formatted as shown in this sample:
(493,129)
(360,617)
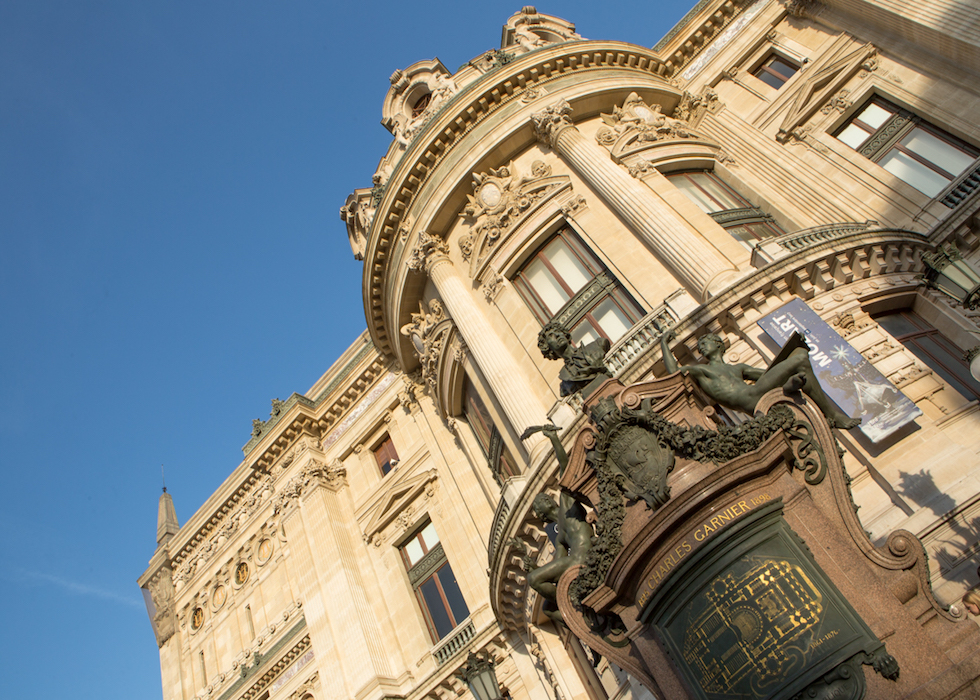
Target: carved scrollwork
(808,455)
(501,199)
(636,121)
(551,121)
(316,473)
(427,332)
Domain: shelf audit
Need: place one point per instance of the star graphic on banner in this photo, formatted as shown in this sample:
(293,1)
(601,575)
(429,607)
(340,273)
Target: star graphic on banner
(840,353)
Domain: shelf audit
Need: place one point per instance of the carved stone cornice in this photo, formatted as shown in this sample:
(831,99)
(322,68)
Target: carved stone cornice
(551,121)
(332,477)
(429,250)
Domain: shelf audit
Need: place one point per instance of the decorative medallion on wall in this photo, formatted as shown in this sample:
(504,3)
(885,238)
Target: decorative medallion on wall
(197,619)
(218,597)
(264,552)
(241,573)
(501,200)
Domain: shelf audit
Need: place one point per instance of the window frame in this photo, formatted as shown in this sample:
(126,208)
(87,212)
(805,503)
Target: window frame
(578,309)
(887,138)
(499,459)
(952,369)
(747,217)
(764,67)
(385,453)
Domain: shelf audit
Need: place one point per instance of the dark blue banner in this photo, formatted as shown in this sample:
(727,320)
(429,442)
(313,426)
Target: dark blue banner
(845,375)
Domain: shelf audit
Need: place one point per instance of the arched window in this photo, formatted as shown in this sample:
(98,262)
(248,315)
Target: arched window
(499,460)
(564,281)
(746,223)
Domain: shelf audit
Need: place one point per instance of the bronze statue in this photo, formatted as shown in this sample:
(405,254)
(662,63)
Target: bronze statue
(728,384)
(574,534)
(583,365)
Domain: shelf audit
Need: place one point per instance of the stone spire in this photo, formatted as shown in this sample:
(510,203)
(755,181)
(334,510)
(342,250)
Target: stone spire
(167,525)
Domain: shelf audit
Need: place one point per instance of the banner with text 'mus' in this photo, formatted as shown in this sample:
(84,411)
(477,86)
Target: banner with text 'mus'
(845,375)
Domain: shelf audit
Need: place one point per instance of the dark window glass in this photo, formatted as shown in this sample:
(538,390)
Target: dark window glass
(435,584)
(498,456)
(907,146)
(562,272)
(775,71)
(934,349)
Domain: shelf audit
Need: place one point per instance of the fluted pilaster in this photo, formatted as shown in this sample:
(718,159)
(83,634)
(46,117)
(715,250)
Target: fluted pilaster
(696,263)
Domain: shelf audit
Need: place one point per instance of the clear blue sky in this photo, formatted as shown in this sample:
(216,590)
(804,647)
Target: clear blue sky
(172,260)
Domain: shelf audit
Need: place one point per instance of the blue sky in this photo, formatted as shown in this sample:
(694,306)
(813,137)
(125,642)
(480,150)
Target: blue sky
(172,259)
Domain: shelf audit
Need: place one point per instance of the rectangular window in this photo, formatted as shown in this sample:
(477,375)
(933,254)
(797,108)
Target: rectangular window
(907,146)
(501,464)
(775,70)
(434,583)
(386,456)
(563,281)
(934,349)
(746,223)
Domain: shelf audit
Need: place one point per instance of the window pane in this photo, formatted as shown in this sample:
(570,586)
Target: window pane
(784,68)
(569,268)
(874,115)
(921,177)
(544,284)
(429,536)
(413,551)
(773,81)
(453,595)
(703,190)
(611,319)
(584,333)
(854,136)
(432,600)
(935,150)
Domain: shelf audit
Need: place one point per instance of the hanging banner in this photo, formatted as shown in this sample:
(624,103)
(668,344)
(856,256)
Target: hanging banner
(845,375)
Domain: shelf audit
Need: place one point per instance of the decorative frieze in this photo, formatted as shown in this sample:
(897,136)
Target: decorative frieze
(638,122)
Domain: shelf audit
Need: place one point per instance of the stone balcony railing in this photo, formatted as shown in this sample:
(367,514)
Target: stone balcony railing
(962,187)
(772,249)
(456,642)
(640,338)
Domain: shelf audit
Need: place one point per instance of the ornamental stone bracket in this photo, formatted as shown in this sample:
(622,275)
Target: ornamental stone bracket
(162,616)
(823,83)
(398,508)
(428,331)
(501,200)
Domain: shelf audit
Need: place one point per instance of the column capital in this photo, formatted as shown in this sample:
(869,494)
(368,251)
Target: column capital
(551,121)
(428,251)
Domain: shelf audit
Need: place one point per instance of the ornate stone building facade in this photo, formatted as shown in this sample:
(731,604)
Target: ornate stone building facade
(380,528)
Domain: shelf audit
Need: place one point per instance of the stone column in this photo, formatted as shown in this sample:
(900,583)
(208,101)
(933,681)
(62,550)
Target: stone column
(696,263)
(510,386)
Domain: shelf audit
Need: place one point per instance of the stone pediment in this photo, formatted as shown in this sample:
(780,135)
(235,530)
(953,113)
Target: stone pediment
(824,79)
(394,501)
(637,126)
(502,200)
